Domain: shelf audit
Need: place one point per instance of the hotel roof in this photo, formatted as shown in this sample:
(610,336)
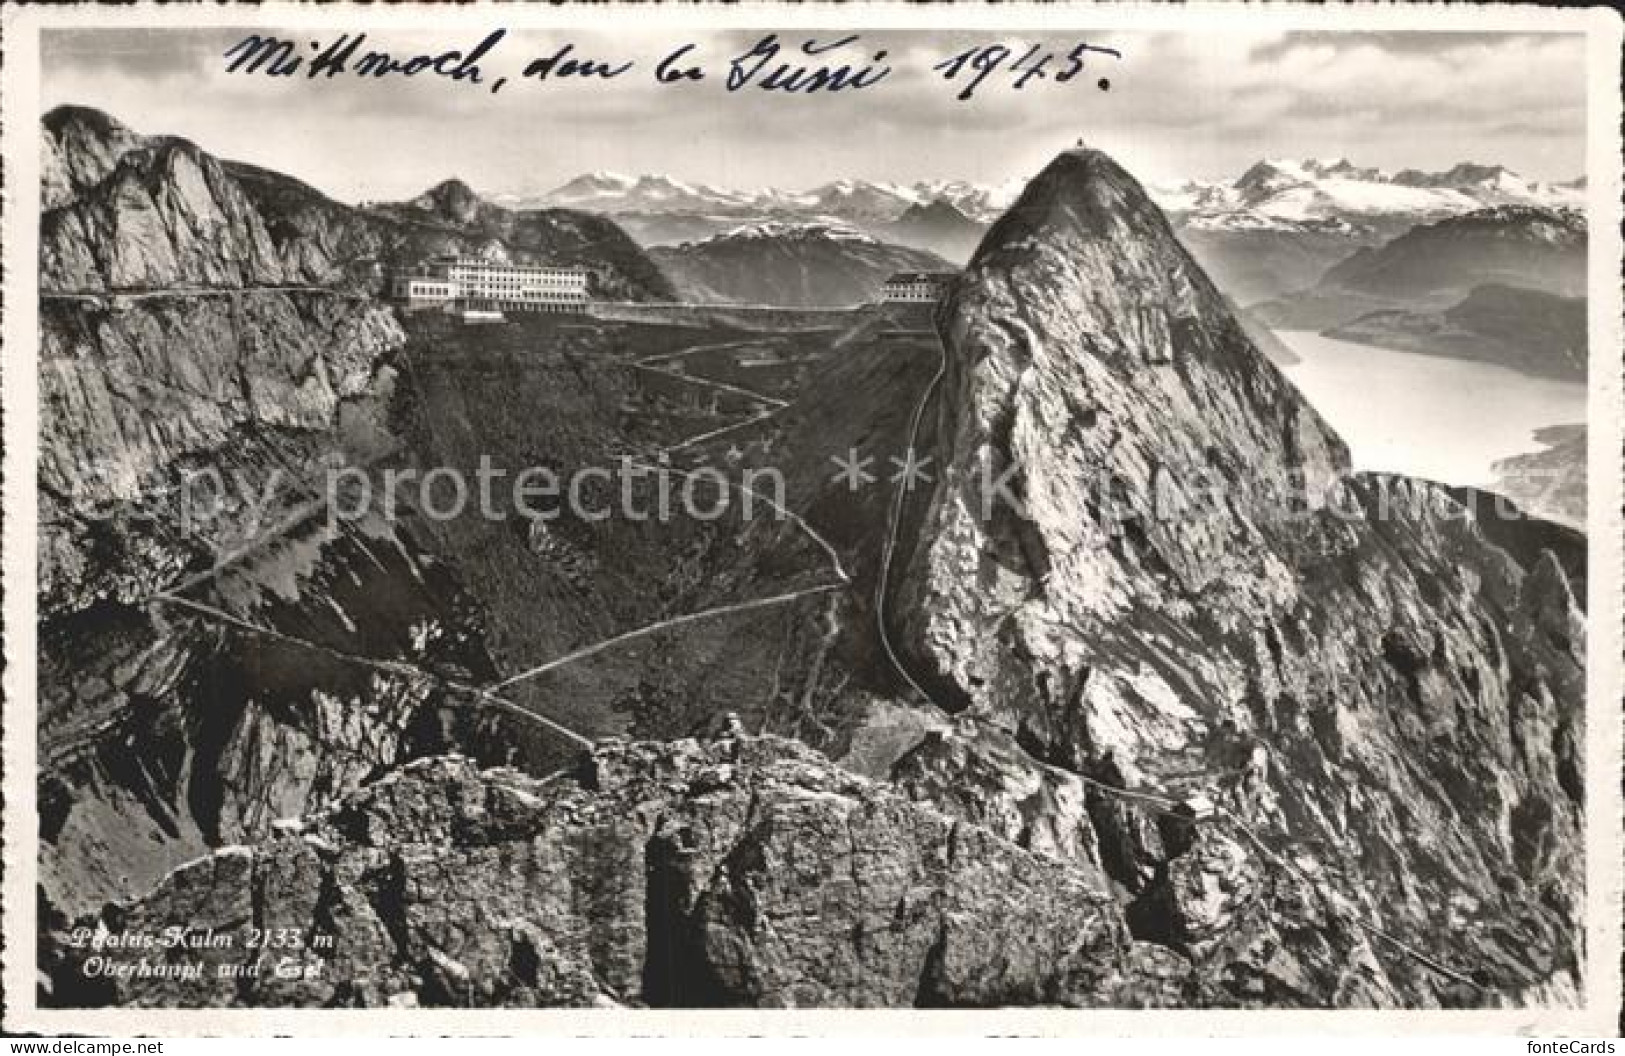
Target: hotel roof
(482,262)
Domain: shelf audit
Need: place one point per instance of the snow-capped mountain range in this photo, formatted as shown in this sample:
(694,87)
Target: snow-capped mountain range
(1274,194)
(1324,195)
(855,200)
(790,230)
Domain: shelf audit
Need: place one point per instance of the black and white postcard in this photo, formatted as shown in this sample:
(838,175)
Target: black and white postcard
(551,519)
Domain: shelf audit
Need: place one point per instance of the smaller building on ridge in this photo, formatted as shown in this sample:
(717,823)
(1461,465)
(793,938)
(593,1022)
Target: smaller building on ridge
(916,287)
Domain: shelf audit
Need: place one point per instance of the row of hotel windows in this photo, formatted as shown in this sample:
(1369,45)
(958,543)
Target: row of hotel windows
(568,280)
(918,286)
(502,280)
(923,290)
(452,291)
(470,264)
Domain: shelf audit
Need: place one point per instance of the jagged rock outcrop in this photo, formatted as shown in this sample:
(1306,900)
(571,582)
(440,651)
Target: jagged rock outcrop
(1182,589)
(82,147)
(451,200)
(165,216)
(747,871)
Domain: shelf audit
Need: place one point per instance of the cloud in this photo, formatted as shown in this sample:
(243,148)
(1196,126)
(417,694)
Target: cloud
(1428,43)
(142,54)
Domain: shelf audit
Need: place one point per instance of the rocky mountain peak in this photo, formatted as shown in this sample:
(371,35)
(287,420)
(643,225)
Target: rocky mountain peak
(1086,348)
(1268,176)
(1462,174)
(1175,576)
(937,211)
(1086,181)
(71,119)
(1473,172)
(1085,255)
(452,199)
(82,146)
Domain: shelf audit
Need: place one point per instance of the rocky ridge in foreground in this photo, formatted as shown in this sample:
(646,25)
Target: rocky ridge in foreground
(745,871)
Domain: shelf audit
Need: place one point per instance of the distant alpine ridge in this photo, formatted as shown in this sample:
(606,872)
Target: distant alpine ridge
(864,200)
(1322,209)
(1288,195)
(805,264)
(1505,284)
(1280,226)
(1272,193)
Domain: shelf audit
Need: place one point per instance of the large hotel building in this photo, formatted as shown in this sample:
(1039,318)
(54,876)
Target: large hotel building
(476,284)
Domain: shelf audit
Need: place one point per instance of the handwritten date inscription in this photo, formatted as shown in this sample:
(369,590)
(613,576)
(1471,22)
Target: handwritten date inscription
(818,64)
(976,64)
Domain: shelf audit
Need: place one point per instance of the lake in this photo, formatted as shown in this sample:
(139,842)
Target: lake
(1427,416)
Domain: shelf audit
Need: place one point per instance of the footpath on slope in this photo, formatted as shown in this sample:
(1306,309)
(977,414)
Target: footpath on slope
(174,596)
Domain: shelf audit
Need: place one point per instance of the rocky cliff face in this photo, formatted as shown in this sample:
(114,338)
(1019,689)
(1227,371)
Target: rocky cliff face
(748,871)
(173,432)
(133,399)
(1386,708)
(181,420)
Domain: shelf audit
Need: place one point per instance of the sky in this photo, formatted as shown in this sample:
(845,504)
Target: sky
(1178,105)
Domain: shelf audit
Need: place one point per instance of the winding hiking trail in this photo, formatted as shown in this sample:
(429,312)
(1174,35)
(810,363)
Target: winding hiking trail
(174,596)
(117,298)
(393,667)
(661,625)
(654,365)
